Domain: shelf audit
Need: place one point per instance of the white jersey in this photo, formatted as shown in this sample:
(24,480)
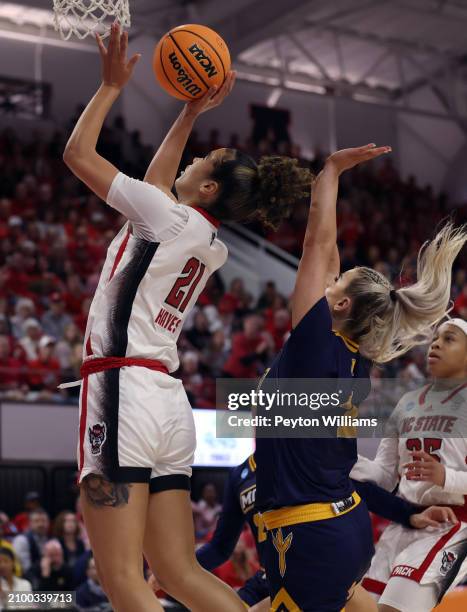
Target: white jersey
(155,269)
(431,421)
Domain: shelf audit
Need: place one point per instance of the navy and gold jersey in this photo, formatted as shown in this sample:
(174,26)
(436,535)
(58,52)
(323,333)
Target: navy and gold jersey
(305,470)
(238,507)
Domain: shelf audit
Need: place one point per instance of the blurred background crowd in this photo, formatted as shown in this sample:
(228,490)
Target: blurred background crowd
(54,235)
(41,554)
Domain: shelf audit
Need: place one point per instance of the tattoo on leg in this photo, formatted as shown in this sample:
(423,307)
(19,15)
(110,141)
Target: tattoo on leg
(100,491)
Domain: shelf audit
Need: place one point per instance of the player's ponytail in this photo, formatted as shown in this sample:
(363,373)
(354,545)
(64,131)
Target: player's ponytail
(282,183)
(266,191)
(388,322)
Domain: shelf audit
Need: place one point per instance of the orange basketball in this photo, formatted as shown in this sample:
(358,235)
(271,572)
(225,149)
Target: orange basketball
(189,60)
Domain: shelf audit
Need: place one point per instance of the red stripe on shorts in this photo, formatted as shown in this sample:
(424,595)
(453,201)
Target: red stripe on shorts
(121,250)
(419,572)
(373,586)
(82,421)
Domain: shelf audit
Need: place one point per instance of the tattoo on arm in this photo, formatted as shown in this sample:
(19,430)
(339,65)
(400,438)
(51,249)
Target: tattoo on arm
(100,491)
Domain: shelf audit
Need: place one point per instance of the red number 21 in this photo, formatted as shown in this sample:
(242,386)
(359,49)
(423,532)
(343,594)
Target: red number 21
(184,286)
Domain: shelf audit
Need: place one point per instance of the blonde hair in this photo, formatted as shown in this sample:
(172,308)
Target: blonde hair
(387,323)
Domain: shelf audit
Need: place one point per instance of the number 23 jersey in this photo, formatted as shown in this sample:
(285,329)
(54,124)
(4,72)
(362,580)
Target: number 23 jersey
(155,269)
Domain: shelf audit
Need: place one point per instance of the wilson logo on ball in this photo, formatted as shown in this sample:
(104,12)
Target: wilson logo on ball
(189,59)
(204,60)
(183,78)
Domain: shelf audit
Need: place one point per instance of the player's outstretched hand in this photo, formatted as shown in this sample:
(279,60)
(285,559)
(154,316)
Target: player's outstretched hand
(434,516)
(348,158)
(425,467)
(213,97)
(116,69)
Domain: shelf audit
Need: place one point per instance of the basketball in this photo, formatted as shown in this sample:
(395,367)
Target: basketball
(190,59)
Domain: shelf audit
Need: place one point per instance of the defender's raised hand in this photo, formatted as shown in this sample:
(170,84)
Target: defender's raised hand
(116,69)
(348,158)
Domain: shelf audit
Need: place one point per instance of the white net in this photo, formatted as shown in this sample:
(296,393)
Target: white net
(84,17)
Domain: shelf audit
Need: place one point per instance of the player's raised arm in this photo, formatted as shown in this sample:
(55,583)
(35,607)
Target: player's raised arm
(163,168)
(80,152)
(319,245)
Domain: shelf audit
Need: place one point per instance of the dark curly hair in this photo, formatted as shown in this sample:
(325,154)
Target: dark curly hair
(266,191)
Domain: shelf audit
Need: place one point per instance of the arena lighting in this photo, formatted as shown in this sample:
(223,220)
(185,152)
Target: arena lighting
(317,89)
(275,82)
(273,97)
(20,14)
(45,40)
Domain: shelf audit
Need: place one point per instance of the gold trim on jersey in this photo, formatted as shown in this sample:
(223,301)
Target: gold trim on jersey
(283,599)
(252,463)
(292,515)
(350,344)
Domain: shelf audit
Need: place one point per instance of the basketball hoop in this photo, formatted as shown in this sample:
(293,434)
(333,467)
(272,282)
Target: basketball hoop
(85,17)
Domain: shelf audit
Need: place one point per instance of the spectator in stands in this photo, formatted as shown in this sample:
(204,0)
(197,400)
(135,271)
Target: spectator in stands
(32,501)
(251,349)
(7,529)
(24,310)
(226,316)
(11,369)
(238,296)
(266,299)
(9,581)
(55,320)
(52,574)
(460,305)
(239,568)
(44,371)
(29,545)
(90,594)
(459,282)
(74,294)
(190,375)
(81,319)
(215,354)
(280,328)
(30,341)
(199,335)
(206,511)
(65,347)
(67,530)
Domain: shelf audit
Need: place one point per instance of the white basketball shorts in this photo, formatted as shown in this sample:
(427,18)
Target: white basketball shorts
(428,561)
(136,425)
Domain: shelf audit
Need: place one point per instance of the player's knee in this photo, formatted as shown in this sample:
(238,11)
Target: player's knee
(174,577)
(114,579)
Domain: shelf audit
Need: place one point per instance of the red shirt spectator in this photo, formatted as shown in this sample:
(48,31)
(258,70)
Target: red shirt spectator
(43,372)
(238,569)
(279,326)
(460,305)
(248,348)
(10,367)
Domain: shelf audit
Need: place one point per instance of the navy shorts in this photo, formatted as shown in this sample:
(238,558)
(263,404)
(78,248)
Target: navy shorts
(311,566)
(255,589)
